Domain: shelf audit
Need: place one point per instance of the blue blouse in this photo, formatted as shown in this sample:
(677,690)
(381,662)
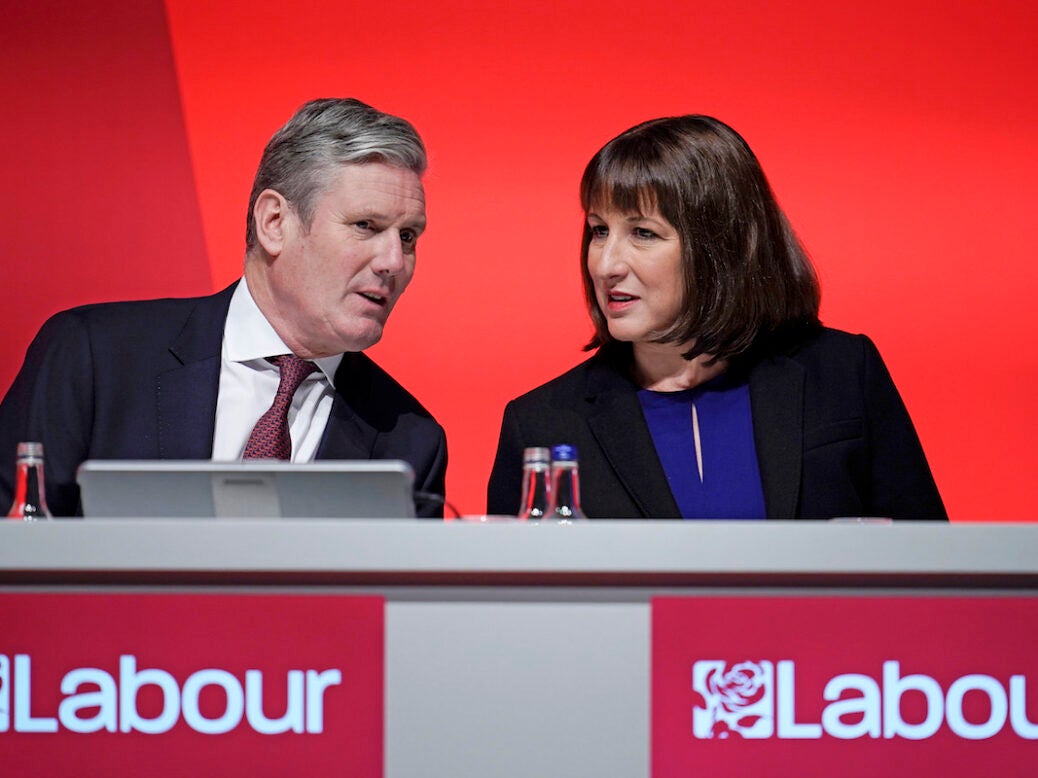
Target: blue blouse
(718,478)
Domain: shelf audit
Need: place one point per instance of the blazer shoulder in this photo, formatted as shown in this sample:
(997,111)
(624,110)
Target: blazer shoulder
(827,345)
(564,389)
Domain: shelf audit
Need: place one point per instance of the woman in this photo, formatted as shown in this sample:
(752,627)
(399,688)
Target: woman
(714,391)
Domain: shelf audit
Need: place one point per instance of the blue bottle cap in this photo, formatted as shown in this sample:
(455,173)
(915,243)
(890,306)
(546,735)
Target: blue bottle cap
(563,453)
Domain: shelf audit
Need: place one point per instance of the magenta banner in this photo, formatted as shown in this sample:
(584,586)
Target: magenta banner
(174,685)
(846,686)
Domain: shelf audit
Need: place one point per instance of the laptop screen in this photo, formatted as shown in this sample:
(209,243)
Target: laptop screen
(368,489)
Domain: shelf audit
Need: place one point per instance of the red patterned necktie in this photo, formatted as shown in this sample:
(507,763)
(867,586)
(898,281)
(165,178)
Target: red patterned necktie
(270,438)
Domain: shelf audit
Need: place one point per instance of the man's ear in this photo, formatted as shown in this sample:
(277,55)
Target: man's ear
(271,215)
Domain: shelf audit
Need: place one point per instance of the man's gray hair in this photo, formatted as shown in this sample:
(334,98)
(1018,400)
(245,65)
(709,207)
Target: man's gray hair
(322,135)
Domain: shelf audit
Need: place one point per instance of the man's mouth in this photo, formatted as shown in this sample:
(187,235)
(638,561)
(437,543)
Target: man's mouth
(378,299)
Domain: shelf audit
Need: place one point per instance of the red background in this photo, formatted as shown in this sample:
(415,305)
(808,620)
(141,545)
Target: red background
(899,136)
(830,636)
(182,634)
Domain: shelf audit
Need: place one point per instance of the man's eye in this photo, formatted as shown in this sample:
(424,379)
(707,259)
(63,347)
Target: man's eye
(409,237)
(599,231)
(363,224)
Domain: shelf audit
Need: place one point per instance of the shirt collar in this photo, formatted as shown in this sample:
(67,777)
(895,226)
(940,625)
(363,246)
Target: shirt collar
(248,336)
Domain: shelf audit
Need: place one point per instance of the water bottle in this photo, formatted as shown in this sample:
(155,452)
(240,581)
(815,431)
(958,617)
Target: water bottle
(536,466)
(564,490)
(30,498)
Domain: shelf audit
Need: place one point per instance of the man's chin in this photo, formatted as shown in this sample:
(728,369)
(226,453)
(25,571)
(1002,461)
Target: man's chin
(358,340)
(341,342)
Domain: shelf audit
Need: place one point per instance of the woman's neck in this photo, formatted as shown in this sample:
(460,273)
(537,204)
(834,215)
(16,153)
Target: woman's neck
(661,368)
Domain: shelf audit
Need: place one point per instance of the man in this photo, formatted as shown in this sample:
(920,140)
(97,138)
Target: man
(272,365)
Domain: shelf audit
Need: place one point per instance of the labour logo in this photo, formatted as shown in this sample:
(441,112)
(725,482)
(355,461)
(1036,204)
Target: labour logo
(733,700)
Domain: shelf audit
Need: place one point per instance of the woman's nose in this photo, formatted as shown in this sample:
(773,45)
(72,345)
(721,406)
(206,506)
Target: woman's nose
(612,262)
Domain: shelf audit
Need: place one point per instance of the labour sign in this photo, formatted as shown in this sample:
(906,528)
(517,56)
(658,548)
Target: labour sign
(848,686)
(164,685)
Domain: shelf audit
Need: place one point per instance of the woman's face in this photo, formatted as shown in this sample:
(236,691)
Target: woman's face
(635,262)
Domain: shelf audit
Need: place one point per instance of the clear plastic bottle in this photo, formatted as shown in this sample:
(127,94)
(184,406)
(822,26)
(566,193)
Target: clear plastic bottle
(30,497)
(536,487)
(565,484)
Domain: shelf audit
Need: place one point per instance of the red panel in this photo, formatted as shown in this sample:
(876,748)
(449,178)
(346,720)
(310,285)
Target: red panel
(98,200)
(900,137)
(848,686)
(173,685)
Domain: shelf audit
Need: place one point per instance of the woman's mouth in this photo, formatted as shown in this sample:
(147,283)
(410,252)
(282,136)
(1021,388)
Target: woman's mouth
(618,301)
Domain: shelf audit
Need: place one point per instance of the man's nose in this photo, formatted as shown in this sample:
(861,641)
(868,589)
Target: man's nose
(390,258)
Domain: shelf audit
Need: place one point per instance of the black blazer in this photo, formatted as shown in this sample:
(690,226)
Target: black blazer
(833,437)
(139,380)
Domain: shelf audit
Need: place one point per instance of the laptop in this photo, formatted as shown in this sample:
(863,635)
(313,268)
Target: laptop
(252,489)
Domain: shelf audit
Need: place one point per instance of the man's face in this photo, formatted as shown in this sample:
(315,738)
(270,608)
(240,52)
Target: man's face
(334,285)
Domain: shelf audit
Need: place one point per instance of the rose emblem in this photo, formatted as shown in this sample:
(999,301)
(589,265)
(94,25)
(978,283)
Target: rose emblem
(739,687)
(733,700)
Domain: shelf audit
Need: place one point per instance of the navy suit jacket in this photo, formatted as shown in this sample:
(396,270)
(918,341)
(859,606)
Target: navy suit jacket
(833,437)
(139,380)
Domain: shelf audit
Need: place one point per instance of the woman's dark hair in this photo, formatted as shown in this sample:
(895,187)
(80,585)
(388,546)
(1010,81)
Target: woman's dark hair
(746,276)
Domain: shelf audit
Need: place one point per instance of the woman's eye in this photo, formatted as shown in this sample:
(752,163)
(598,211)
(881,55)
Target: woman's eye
(644,234)
(599,231)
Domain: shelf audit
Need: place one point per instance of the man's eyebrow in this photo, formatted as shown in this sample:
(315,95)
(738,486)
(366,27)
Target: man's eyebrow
(367,213)
(418,223)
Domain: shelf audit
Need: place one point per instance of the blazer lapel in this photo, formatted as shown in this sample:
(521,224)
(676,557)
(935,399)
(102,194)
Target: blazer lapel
(186,394)
(615,419)
(777,402)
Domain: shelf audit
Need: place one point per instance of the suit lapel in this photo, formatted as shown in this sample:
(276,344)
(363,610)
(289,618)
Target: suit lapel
(615,419)
(186,394)
(777,402)
(348,435)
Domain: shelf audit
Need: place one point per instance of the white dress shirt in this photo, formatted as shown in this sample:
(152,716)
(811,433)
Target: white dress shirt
(248,383)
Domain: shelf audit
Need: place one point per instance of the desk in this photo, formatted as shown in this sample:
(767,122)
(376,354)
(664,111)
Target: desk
(518,649)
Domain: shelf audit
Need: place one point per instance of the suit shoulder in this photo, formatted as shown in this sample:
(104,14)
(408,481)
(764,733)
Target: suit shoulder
(156,312)
(363,379)
(152,307)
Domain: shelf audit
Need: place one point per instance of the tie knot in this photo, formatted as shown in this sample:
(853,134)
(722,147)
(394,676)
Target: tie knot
(271,437)
(293,371)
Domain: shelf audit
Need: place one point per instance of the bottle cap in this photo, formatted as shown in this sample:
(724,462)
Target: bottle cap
(563,453)
(536,454)
(30,449)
